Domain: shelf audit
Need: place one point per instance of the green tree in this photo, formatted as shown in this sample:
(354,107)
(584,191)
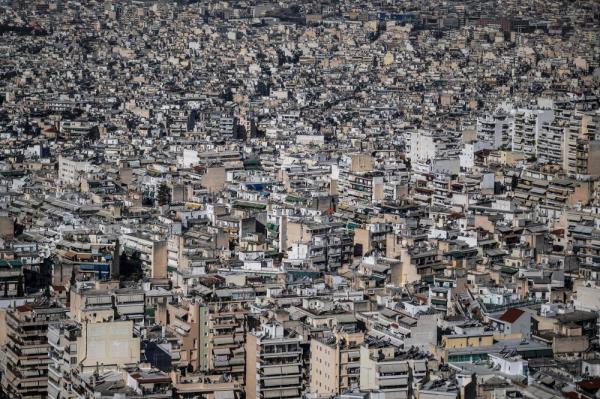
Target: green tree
(163,196)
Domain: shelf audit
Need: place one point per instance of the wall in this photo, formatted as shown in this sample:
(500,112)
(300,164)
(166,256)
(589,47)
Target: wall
(325,368)
(159,259)
(214,179)
(251,343)
(108,343)
(569,344)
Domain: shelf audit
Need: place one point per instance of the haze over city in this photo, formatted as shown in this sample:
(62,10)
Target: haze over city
(332,199)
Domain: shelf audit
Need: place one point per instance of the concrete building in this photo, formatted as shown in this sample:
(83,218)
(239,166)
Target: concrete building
(273,363)
(580,150)
(427,145)
(356,178)
(227,327)
(11,278)
(390,371)
(552,136)
(526,129)
(70,172)
(495,130)
(335,363)
(153,253)
(25,365)
(188,323)
(81,347)
(323,246)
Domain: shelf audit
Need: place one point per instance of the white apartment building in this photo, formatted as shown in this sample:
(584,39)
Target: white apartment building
(526,128)
(70,171)
(495,130)
(426,145)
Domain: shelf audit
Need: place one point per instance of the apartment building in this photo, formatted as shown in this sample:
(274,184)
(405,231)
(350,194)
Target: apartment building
(86,254)
(188,322)
(273,363)
(227,327)
(394,372)
(75,129)
(356,178)
(552,136)
(11,277)
(382,370)
(323,246)
(495,130)
(25,365)
(62,338)
(427,145)
(526,129)
(580,145)
(153,252)
(71,171)
(106,303)
(76,348)
(210,336)
(335,363)
(371,237)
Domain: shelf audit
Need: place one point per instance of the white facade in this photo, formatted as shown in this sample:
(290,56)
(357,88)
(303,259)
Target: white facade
(425,145)
(495,130)
(511,365)
(526,128)
(70,171)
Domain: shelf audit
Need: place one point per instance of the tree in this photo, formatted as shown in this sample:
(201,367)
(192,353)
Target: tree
(131,266)
(164,194)
(93,134)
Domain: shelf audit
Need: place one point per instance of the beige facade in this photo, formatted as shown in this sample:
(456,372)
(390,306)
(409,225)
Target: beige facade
(188,322)
(108,343)
(7,227)
(78,347)
(361,163)
(91,305)
(25,365)
(335,364)
(405,271)
(379,371)
(226,339)
(214,179)
(159,260)
(70,171)
(273,364)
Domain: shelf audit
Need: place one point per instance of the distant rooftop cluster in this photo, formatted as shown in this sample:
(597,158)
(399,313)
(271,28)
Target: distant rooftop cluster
(330,199)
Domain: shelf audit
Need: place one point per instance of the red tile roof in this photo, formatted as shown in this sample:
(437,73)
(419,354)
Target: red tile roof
(591,385)
(24,308)
(511,315)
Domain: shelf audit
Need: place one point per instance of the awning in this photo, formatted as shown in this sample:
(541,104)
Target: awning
(393,368)
(393,382)
(290,370)
(223,340)
(284,381)
(272,370)
(224,395)
(221,351)
(277,393)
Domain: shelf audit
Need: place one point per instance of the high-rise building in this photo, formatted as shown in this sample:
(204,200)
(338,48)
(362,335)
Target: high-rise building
(227,333)
(495,130)
(25,366)
(335,363)
(394,373)
(273,363)
(581,147)
(76,348)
